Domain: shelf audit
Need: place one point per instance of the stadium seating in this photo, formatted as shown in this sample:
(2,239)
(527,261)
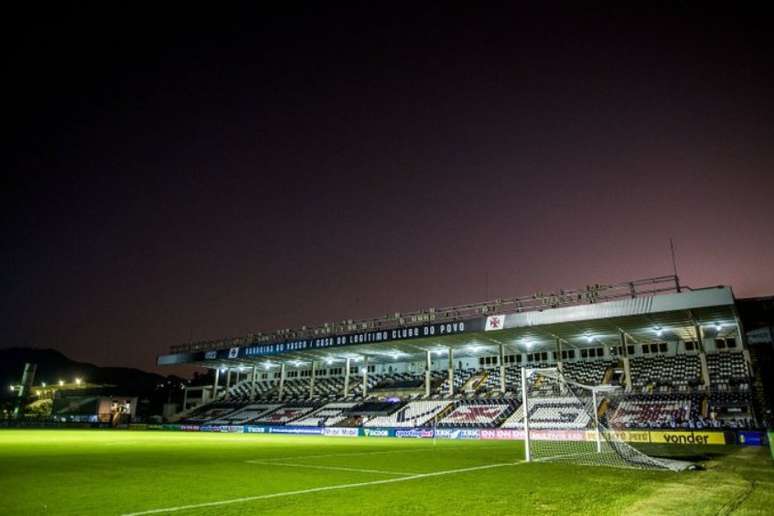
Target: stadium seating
(243,415)
(413,414)
(727,370)
(328,415)
(677,372)
(552,413)
(657,411)
(284,415)
(587,372)
(478,414)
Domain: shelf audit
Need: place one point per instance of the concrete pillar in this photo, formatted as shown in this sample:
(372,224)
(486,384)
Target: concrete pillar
(428,366)
(185,397)
(215,383)
(365,376)
(228,380)
(705,379)
(346,377)
(451,373)
(502,368)
(625,360)
(252,384)
(311,380)
(559,364)
(282,380)
(699,337)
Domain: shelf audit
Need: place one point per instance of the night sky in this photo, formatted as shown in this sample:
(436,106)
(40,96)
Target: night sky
(200,175)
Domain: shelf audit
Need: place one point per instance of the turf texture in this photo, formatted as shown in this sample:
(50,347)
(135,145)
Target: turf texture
(83,472)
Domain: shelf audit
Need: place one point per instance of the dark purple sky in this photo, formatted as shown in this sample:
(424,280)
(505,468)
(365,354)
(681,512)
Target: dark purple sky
(252,170)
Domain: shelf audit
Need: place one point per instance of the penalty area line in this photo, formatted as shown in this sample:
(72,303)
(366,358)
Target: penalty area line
(319,489)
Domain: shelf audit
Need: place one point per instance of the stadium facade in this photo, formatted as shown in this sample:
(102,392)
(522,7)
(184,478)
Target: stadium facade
(681,355)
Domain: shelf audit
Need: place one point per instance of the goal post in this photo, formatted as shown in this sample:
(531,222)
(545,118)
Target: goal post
(566,421)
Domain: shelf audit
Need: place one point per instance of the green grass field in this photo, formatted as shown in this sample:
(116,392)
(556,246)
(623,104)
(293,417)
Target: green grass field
(123,472)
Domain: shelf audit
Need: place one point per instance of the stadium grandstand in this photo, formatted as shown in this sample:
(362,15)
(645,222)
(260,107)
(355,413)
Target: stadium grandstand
(680,356)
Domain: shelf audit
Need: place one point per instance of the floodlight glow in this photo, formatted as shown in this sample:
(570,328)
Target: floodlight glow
(659,331)
(589,338)
(329,360)
(42,384)
(12,388)
(718,326)
(77,381)
(527,343)
(61,383)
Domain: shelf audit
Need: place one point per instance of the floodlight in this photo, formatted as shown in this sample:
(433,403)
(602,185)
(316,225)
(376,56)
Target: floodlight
(61,383)
(77,381)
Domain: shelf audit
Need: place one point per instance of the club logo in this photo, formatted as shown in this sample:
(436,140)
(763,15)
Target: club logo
(494,323)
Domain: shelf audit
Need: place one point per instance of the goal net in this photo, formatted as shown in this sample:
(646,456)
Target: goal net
(565,421)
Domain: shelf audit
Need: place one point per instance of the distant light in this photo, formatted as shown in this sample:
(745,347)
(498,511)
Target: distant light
(718,326)
(266,366)
(37,393)
(42,384)
(589,338)
(659,331)
(77,381)
(13,388)
(527,343)
(61,383)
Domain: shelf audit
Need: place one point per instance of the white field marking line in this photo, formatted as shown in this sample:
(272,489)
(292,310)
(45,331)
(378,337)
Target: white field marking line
(319,489)
(334,468)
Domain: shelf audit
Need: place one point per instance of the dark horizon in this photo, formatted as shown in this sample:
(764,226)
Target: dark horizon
(194,179)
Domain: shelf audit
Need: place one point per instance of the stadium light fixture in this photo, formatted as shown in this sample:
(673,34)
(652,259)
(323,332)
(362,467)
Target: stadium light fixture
(589,338)
(77,381)
(42,384)
(12,388)
(527,343)
(718,326)
(659,331)
(61,383)
(329,361)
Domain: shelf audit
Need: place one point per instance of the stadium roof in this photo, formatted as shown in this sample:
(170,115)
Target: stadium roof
(651,310)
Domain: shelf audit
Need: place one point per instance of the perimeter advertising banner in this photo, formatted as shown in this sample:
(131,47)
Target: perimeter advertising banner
(458,433)
(749,438)
(687,437)
(377,432)
(305,430)
(629,436)
(340,432)
(417,433)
